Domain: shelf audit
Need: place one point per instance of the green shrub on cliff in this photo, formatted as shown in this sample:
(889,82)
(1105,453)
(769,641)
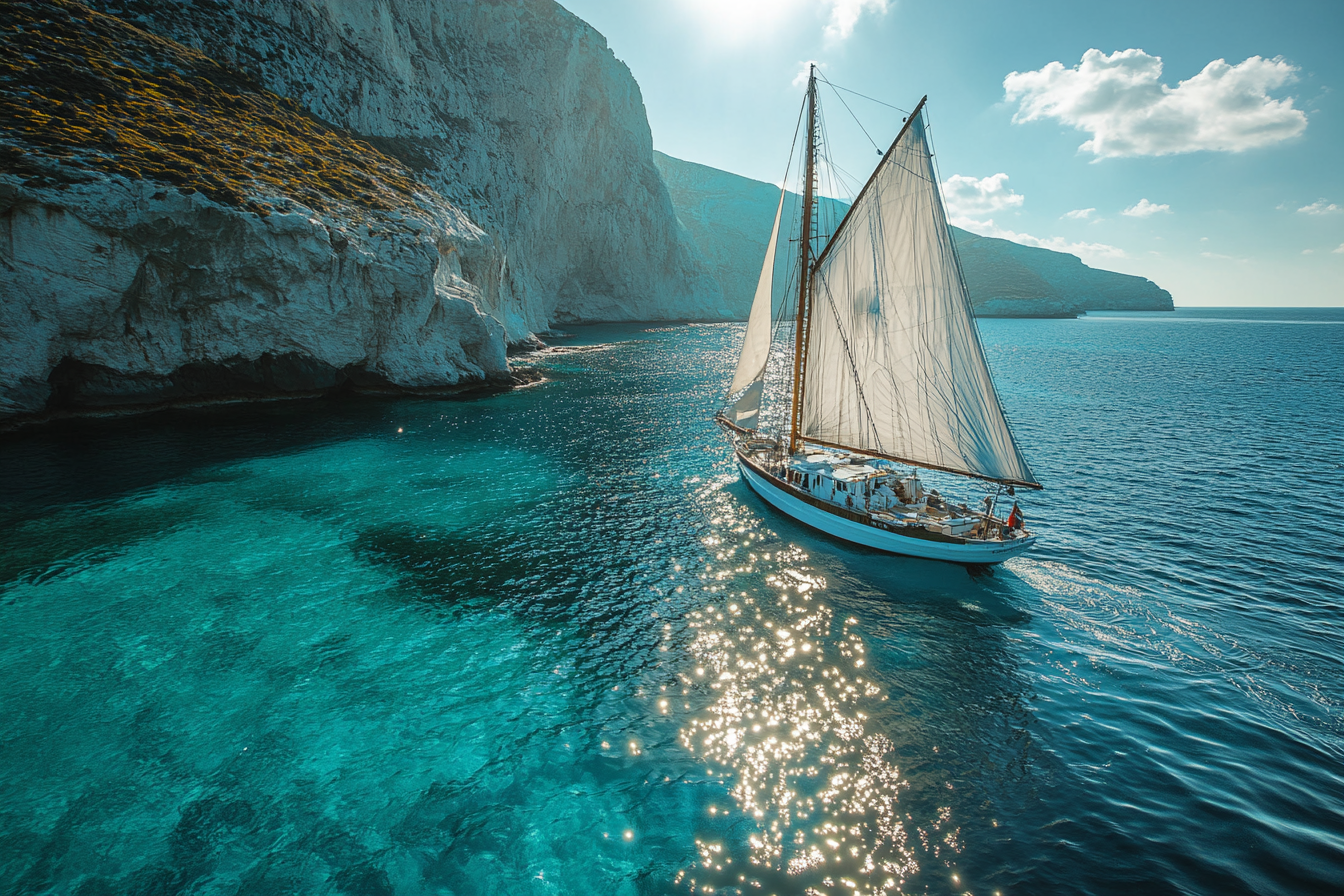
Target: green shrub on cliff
(83,94)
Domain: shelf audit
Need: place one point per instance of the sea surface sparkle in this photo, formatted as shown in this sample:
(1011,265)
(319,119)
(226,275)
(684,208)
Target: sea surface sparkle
(547,642)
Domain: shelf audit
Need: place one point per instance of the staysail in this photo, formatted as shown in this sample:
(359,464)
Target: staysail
(756,344)
(745,413)
(894,364)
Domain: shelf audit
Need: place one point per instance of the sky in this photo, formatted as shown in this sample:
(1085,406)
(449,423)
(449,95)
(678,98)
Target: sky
(1199,144)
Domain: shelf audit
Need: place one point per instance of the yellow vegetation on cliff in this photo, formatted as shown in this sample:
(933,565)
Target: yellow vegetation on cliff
(83,93)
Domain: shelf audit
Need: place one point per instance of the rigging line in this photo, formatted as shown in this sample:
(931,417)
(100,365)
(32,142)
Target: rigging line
(913,173)
(841,181)
(791,274)
(784,187)
(844,179)
(834,174)
(838,176)
(853,366)
(970,310)
(853,116)
(825,176)
(883,287)
(859,197)
(862,96)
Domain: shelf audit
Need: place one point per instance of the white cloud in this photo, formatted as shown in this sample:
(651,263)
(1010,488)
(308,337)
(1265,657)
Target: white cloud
(845,15)
(1079,214)
(1089,252)
(1320,207)
(805,69)
(968,196)
(1339,251)
(1308,251)
(1121,102)
(1145,209)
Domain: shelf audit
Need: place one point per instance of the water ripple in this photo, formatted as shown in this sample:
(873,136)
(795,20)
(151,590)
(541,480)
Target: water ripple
(548,642)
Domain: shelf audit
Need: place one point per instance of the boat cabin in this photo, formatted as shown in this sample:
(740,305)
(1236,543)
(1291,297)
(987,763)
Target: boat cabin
(881,489)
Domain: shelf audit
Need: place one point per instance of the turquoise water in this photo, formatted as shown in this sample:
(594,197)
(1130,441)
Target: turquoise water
(546,642)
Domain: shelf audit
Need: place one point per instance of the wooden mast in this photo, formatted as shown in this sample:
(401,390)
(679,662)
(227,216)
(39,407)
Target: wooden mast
(804,267)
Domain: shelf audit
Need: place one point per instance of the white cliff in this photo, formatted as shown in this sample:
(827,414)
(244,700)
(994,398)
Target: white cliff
(120,293)
(452,176)
(517,112)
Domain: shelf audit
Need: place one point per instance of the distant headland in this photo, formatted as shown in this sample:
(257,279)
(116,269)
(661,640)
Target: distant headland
(729,217)
(237,200)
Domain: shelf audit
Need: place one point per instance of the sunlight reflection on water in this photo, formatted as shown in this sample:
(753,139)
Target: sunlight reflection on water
(785,720)
(548,642)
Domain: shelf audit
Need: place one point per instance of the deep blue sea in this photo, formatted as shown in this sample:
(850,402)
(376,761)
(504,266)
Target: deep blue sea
(546,642)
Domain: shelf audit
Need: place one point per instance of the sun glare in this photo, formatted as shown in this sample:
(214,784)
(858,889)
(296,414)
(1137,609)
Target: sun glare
(741,21)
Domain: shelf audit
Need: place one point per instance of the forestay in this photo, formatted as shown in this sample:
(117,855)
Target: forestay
(894,364)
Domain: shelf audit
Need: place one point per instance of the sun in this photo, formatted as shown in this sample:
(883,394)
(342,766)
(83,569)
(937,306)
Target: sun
(744,21)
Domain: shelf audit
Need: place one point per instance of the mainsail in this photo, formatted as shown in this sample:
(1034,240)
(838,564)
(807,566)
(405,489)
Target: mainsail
(756,344)
(893,363)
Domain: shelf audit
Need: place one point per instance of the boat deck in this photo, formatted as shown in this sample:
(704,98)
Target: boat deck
(879,493)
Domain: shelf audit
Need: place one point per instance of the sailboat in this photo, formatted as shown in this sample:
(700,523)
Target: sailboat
(888,380)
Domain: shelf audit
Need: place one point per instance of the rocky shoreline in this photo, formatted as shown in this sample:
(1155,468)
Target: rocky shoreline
(373,198)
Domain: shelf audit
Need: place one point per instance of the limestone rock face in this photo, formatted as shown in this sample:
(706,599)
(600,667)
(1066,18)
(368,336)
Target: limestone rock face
(251,197)
(119,294)
(729,217)
(515,111)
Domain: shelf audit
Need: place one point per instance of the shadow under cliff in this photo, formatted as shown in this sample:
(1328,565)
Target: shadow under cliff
(82,459)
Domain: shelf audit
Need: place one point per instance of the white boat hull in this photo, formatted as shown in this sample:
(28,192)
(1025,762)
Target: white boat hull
(970,551)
